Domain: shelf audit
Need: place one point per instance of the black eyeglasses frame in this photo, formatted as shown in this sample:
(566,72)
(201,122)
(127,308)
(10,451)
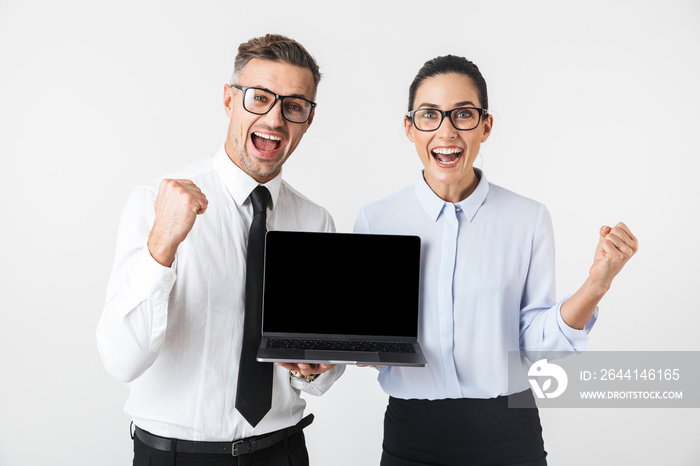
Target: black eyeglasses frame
(281,98)
(447,113)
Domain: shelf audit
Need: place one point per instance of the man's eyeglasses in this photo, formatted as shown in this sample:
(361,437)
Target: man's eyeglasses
(260,101)
(430,119)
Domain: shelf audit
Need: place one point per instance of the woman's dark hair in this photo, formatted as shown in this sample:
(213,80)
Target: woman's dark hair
(449,64)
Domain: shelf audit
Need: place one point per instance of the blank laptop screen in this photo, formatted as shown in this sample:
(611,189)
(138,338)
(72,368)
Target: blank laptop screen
(341,283)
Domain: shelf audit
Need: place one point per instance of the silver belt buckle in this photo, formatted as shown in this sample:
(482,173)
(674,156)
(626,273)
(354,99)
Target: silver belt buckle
(241,447)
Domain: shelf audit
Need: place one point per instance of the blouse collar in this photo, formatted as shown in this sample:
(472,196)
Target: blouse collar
(433,204)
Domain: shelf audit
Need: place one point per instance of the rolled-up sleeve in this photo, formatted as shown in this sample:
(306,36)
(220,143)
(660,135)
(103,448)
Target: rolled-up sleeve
(541,325)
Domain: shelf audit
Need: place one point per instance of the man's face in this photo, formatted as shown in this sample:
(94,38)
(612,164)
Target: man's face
(260,144)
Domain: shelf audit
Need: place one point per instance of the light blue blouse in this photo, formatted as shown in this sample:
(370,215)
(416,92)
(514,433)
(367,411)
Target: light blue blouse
(487,287)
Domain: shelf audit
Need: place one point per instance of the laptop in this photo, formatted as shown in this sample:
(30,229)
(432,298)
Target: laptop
(341,298)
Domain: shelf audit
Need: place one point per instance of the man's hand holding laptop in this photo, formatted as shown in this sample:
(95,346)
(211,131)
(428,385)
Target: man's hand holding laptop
(308,372)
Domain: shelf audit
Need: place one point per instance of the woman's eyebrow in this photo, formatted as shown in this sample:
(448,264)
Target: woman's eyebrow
(467,103)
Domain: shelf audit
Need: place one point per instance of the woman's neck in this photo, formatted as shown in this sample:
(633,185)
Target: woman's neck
(457,191)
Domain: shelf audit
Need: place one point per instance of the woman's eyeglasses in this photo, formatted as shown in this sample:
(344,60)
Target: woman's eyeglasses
(430,119)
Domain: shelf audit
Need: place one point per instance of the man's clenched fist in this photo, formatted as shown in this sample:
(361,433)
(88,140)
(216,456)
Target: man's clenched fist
(177,205)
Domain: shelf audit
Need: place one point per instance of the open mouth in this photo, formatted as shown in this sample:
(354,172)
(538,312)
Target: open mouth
(265,142)
(447,155)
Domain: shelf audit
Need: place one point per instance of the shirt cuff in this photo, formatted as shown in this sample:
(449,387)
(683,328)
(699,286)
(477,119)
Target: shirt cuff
(322,383)
(300,384)
(151,281)
(578,339)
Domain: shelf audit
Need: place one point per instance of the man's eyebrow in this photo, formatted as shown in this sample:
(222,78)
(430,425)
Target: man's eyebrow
(297,96)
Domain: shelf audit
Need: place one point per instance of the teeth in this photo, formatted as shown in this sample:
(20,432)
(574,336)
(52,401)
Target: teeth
(437,152)
(447,151)
(448,163)
(444,162)
(267,136)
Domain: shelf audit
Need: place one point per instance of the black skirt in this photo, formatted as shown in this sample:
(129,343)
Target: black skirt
(464,432)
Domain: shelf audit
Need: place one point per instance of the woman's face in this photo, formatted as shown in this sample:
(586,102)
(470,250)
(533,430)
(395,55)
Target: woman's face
(448,154)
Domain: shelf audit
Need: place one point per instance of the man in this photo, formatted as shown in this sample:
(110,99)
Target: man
(178,315)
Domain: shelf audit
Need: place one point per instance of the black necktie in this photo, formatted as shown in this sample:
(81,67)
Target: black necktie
(254,393)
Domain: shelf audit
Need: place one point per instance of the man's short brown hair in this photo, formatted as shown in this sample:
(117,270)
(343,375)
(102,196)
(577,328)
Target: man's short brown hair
(275,47)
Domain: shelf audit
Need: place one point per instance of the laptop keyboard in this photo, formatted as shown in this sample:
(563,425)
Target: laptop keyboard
(335,345)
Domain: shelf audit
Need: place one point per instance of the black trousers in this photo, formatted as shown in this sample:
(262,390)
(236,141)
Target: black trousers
(291,452)
(462,432)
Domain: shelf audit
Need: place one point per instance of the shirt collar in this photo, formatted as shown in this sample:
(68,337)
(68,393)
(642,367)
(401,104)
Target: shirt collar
(433,204)
(239,183)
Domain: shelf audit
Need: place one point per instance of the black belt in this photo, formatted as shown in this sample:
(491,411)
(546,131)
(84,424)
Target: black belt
(236,448)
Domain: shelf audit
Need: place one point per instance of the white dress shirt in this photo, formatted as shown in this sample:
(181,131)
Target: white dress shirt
(487,287)
(174,333)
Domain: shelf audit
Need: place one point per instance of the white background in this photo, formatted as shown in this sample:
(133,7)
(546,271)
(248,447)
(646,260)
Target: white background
(596,110)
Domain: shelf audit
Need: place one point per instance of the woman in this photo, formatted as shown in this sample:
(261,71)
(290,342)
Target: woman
(487,286)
